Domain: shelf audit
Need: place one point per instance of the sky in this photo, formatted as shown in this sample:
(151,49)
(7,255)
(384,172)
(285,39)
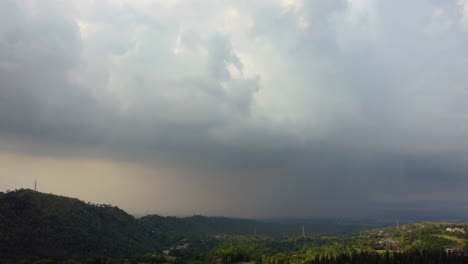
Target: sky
(253,109)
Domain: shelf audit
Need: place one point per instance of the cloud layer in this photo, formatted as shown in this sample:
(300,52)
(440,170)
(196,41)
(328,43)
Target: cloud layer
(269,108)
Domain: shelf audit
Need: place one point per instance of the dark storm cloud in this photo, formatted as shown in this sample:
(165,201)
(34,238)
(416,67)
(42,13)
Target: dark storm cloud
(38,99)
(311,107)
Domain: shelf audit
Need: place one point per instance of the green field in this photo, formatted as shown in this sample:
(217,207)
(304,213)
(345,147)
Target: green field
(451,238)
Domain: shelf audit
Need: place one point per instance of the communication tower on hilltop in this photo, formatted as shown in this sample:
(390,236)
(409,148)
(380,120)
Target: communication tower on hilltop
(35,185)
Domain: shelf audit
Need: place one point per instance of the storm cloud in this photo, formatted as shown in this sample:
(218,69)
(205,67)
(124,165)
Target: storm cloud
(242,108)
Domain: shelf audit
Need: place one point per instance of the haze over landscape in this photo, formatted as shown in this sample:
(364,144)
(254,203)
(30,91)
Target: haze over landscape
(252,109)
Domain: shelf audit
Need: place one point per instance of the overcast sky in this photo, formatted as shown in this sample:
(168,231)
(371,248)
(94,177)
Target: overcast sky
(266,108)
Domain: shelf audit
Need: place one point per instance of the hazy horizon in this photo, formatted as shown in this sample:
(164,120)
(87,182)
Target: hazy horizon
(251,109)
(390,219)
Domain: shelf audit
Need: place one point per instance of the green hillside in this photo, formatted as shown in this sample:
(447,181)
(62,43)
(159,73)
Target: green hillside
(35,226)
(38,225)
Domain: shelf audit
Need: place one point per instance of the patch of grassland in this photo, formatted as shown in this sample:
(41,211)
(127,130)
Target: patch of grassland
(451,238)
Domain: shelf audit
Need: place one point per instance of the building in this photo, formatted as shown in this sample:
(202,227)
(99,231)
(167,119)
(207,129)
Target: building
(455,229)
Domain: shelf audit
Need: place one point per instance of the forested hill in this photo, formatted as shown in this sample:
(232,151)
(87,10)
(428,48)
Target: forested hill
(198,226)
(38,225)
